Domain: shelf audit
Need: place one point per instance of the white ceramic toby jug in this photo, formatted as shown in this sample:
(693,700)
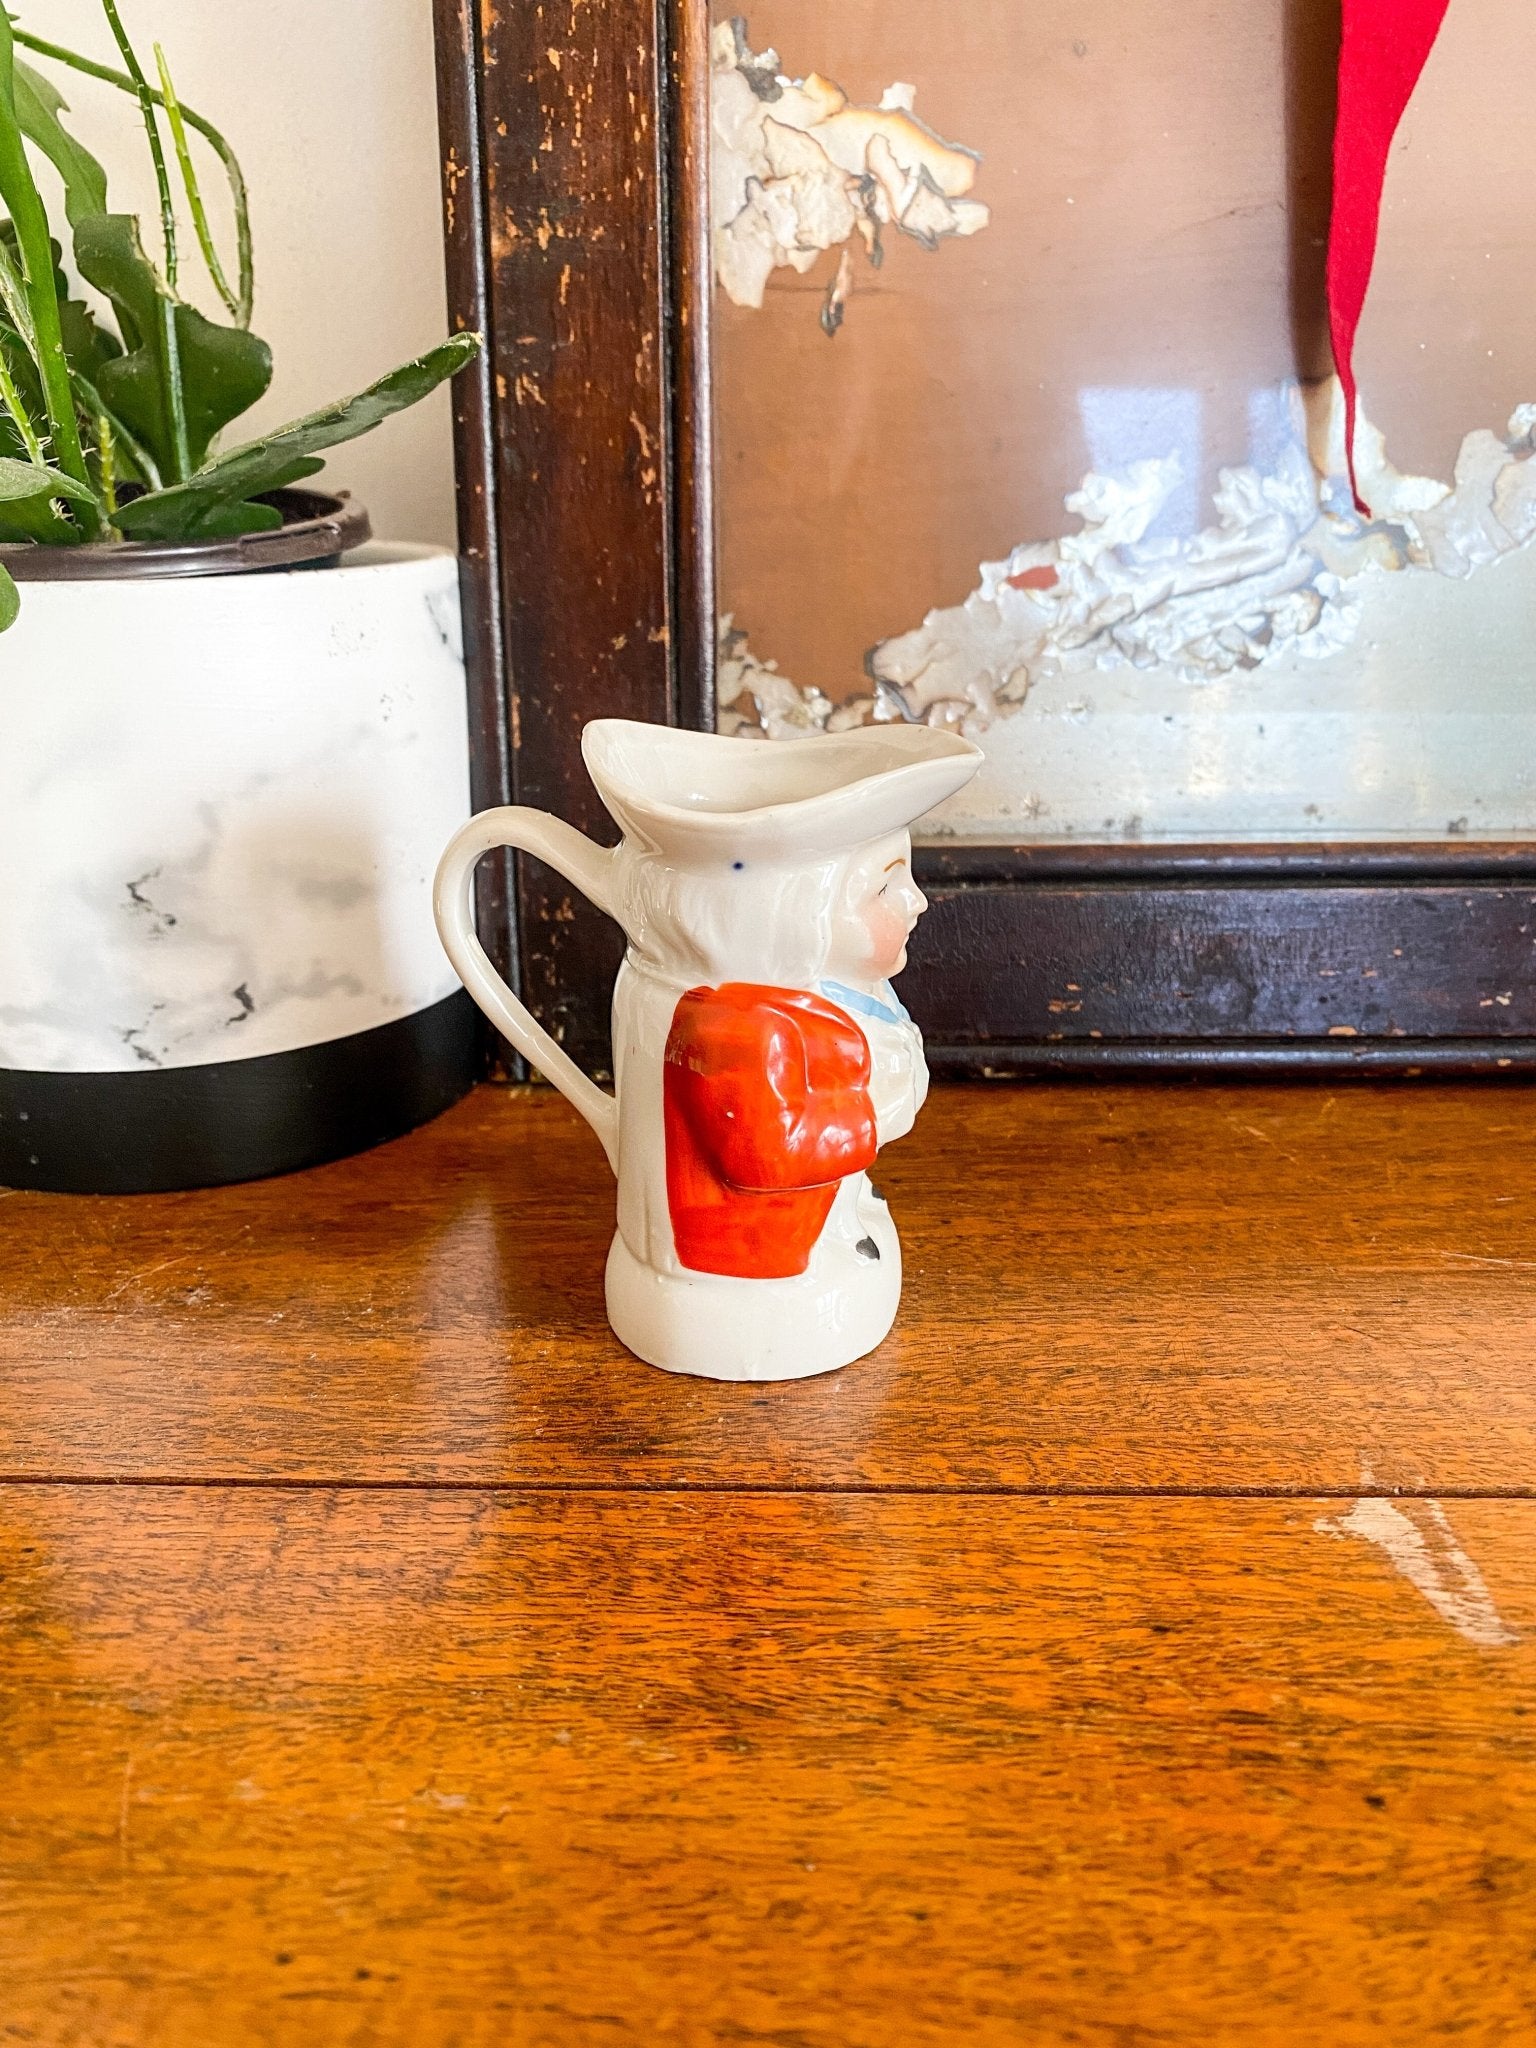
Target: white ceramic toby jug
(760,1056)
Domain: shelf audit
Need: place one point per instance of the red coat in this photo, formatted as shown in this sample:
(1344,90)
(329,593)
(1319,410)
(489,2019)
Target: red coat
(766,1106)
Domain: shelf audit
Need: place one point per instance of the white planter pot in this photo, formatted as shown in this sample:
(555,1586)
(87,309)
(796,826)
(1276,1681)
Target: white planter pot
(221,803)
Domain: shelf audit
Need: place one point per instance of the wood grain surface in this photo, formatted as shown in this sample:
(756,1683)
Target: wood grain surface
(1108,1289)
(551,119)
(1283,961)
(459,32)
(343,1767)
(1136,1652)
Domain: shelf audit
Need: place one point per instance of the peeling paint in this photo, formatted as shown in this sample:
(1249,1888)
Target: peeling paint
(1277,572)
(796,168)
(453,174)
(756,702)
(1417,1538)
(835,304)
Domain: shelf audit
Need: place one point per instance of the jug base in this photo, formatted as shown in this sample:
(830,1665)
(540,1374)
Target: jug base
(720,1328)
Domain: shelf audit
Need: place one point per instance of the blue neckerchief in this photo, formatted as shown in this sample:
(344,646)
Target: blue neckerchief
(862,1005)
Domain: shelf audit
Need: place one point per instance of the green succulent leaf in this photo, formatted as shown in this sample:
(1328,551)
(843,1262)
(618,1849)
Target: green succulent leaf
(36,480)
(38,107)
(23,410)
(224,370)
(36,519)
(15,309)
(23,432)
(10,600)
(88,345)
(293,452)
(191,512)
(224,521)
(23,202)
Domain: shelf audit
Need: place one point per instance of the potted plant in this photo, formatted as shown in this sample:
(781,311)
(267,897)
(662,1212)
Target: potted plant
(230,748)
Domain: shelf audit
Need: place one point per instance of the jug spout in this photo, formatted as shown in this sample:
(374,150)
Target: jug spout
(696,797)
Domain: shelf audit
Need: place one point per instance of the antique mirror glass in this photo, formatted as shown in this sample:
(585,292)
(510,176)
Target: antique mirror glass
(1025,420)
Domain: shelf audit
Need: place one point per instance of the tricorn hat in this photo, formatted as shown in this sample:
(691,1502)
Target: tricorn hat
(702,797)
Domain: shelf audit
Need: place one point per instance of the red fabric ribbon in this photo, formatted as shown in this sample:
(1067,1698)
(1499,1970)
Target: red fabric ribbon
(1385,46)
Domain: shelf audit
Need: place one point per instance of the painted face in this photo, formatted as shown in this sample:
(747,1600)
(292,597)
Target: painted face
(881,904)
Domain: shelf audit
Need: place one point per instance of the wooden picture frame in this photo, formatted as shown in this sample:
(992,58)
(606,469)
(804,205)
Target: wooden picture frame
(574,143)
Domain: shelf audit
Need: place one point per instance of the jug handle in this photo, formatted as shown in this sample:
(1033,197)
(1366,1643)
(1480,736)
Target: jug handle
(590,867)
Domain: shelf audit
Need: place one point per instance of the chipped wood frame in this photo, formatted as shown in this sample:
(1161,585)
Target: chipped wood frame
(574,150)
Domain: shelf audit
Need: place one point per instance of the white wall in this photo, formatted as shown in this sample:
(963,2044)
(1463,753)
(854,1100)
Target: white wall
(330,107)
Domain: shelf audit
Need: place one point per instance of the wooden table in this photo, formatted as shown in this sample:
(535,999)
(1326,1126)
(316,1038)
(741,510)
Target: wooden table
(1139,1649)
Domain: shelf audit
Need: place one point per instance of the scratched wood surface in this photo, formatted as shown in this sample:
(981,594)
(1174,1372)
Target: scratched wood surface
(551,119)
(1108,1289)
(545,1771)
